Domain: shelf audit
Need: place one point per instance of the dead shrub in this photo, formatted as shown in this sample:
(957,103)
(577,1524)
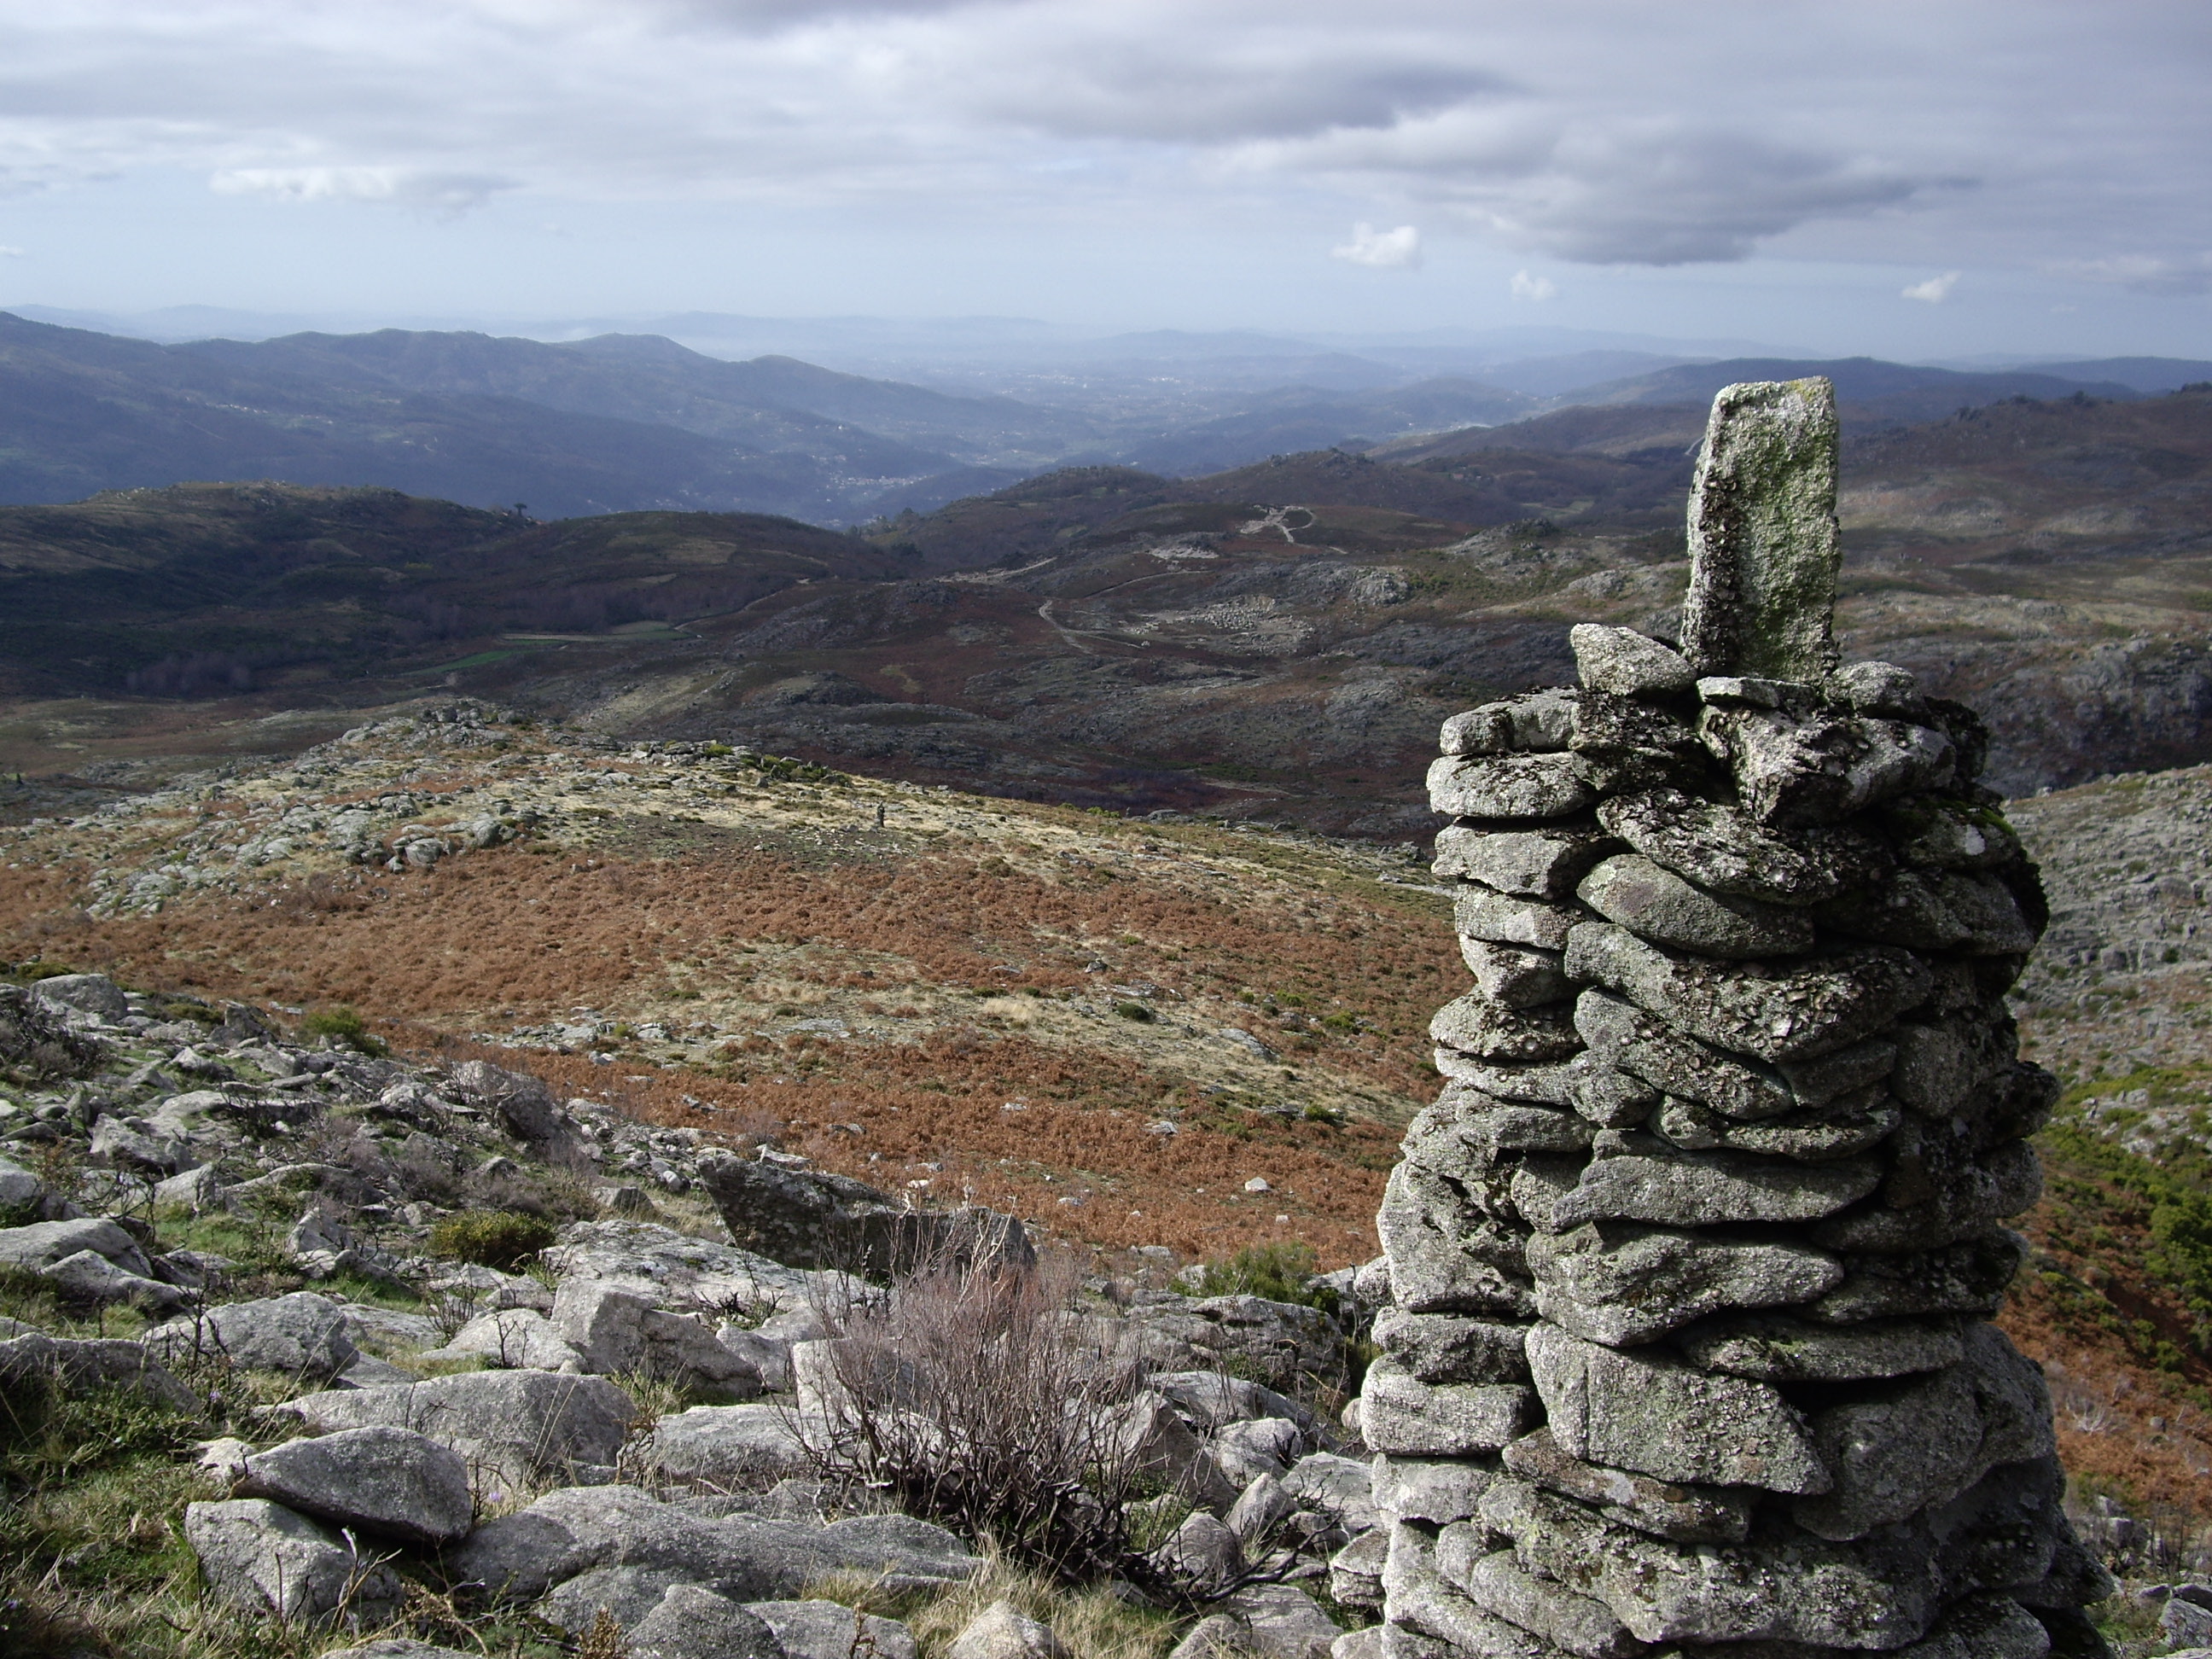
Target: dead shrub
(322,894)
(974,1398)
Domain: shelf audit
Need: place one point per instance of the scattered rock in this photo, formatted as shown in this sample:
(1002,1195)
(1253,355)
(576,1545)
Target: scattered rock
(264,1556)
(389,1482)
(518,1429)
(830,1630)
(87,993)
(811,1218)
(693,1622)
(1001,1631)
(302,1334)
(1285,1622)
(77,1366)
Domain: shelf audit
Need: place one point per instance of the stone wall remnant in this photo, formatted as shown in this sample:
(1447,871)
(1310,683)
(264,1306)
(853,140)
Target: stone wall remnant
(1692,1260)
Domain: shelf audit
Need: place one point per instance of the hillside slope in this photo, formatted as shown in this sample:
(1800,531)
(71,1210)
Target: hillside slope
(218,587)
(1108,1027)
(1027,1002)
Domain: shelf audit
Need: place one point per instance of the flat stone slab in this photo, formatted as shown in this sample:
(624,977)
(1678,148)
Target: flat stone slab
(1665,1508)
(1776,1348)
(1549,785)
(1655,903)
(1704,1189)
(1647,1411)
(1728,851)
(1769,1012)
(1624,1282)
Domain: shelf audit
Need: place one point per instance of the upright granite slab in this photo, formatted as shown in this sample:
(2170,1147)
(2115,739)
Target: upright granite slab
(1693,1260)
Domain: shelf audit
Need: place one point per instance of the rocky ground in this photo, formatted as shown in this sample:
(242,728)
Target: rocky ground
(264,1264)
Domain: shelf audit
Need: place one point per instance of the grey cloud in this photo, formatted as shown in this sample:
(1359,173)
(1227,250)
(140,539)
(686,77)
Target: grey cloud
(1682,198)
(1142,91)
(2182,274)
(1609,194)
(1611,131)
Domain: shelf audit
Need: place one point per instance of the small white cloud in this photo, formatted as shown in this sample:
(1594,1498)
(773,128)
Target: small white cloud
(1382,250)
(441,193)
(1537,289)
(7,253)
(1935,290)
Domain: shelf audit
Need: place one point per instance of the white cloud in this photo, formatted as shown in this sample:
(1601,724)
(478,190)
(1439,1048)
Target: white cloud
(441,193)
(7,253)
(1383,249)
(1935,290)
(1537,289)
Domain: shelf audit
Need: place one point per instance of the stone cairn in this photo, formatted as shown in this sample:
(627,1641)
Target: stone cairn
(1686,1347)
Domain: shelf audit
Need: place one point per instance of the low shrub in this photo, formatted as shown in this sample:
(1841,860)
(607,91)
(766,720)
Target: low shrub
(1278,1272)
(30,973)
(974,1399)
(1136,1011)
(492,1238)
(343,1026)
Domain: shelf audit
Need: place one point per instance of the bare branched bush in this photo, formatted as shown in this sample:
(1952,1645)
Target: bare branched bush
(972,1396)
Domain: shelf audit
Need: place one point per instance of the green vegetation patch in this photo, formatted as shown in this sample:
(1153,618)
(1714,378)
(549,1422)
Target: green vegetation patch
(492,1238)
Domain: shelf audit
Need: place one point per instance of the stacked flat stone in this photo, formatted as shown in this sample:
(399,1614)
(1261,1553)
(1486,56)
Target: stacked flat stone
(1690,1264)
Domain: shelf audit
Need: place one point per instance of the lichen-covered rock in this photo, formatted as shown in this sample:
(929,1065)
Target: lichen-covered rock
(1477,1025)
(1509,787)
(1703,1189)
(32,1360)
(1628,663)
(1514,977)
(300,1335)
(1580,1624)
(1665,1508)
(1543,863)
(1402,1415)
(1439,1348)
(1630,1040)
(1653,1414)
(1429,1489)
(1776,1348)
(1655,903)
(693,1622)
(1771,1013)
(518,1429)
(813,1219)
(1624,1282)
(1479,912)
(1765,549)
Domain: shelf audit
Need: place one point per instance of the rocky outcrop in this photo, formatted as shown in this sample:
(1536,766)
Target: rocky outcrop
(1691,1259)
(808,1218)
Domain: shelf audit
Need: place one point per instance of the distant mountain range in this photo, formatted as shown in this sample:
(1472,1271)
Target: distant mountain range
(620,423)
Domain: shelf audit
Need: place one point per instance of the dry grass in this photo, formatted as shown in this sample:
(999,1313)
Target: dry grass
(1091,1622)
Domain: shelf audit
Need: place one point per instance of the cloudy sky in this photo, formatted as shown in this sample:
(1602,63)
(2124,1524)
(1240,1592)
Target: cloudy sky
(1937,179)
